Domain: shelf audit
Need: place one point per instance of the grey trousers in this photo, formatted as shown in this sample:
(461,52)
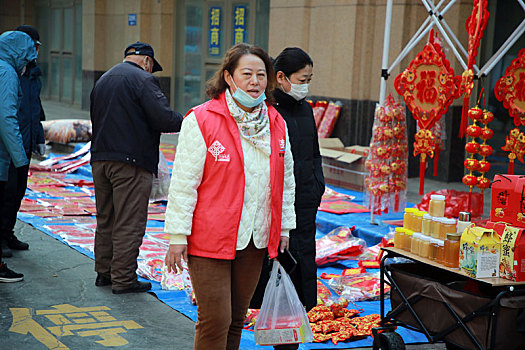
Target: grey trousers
(122,192)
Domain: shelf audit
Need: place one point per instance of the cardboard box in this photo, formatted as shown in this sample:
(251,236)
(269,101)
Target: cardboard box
(343,166)
(479,252)
(512,262)
(508,199)
(498,227)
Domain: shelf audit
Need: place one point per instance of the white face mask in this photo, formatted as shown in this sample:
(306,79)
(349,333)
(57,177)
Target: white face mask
(298,91)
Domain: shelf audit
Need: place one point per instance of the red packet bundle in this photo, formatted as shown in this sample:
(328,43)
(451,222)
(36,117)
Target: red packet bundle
(358,288)
(337,323)
(330,117)
(338,244)
(319,110)
(150,268)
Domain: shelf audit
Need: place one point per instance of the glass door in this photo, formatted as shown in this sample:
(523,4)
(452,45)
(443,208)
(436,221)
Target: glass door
(210,28)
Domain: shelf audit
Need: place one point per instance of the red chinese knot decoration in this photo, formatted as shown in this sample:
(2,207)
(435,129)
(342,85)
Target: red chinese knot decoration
(476,24)
(387,161)
(428,87)
(510,89)
(515,144)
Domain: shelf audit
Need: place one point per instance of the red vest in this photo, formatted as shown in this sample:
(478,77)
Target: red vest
(220,195)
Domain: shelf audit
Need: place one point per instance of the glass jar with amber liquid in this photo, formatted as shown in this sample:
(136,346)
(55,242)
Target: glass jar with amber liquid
(452,245)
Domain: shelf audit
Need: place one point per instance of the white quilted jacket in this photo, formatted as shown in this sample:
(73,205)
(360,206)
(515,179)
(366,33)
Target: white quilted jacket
(186,177)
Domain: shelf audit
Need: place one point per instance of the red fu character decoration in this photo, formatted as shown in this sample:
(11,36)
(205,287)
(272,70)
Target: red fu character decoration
(428,87)
(510,89)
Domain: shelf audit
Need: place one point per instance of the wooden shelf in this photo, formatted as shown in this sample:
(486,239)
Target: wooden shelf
(493,281)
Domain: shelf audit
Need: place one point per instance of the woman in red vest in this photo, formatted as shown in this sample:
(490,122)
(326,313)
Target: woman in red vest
(232,194)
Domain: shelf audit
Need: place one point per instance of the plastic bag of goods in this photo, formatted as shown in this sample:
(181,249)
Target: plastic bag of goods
(160,186)
(338,244)
(282,319)
(361,287)
(67,130)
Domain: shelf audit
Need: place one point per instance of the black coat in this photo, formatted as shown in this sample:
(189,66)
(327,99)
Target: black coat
(309,188)
(30,113)
(309,179)
(128,113)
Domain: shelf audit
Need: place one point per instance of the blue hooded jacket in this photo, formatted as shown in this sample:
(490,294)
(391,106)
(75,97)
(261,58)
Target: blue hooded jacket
(17,49)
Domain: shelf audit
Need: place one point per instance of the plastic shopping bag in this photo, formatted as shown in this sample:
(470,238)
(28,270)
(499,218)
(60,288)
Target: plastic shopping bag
(282,319)
(160,186)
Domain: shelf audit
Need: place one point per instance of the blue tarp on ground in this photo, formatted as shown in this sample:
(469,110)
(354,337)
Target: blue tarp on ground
(179,301)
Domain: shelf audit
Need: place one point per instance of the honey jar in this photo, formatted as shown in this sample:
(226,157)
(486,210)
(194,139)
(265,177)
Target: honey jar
(436,206)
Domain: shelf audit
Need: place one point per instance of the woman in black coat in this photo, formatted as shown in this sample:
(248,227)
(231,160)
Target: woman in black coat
(293,68)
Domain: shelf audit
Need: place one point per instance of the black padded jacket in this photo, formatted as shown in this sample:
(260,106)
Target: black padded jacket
(128,114)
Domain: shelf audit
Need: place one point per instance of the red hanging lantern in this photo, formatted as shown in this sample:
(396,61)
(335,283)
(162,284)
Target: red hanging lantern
(485,150)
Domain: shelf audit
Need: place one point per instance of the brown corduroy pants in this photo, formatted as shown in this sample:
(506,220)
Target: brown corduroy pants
(122,192)
(223,289)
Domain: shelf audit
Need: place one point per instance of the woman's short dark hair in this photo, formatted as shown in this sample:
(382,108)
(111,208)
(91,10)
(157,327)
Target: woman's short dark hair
(217,85)
(291,60)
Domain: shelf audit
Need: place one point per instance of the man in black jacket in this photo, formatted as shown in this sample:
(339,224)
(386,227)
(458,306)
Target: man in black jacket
(128,113)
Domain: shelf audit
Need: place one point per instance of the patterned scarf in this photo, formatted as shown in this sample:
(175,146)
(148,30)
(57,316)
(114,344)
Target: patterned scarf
(253,126)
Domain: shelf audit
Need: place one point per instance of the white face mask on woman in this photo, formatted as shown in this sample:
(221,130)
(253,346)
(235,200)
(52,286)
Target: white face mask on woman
(298,91)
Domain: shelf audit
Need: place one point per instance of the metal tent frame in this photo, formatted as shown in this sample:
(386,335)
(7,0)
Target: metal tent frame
(436,19)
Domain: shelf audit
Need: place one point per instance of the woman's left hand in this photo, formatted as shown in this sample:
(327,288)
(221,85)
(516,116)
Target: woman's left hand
(285,243)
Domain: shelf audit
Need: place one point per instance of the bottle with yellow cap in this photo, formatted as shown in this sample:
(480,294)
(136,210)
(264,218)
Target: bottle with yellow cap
(408,239)
(408,218)
(426,224)
(418,220)
(399,237)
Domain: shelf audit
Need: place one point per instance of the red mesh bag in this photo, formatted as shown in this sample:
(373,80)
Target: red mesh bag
(455,202)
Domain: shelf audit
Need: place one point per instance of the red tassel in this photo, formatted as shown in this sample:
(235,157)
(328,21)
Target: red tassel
(511,167)
(436,161)
(482,204)
(470,199)
(422,167)
(464,116)
(396,202)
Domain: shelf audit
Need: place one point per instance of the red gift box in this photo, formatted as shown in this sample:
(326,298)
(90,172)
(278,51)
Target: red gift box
(508,199)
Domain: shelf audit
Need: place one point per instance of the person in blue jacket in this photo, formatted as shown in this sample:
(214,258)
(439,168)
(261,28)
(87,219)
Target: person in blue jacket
(17,49)
(29,115)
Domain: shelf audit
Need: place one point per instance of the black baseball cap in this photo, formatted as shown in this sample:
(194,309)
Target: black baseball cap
(31,31)
(143,49)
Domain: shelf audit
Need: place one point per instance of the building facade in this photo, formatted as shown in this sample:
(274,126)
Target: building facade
(84,38)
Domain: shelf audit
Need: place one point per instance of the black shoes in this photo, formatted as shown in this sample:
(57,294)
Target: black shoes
(7,275)
(6,251)
(15,244)
(102,281)
(139,287)
(11,244)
